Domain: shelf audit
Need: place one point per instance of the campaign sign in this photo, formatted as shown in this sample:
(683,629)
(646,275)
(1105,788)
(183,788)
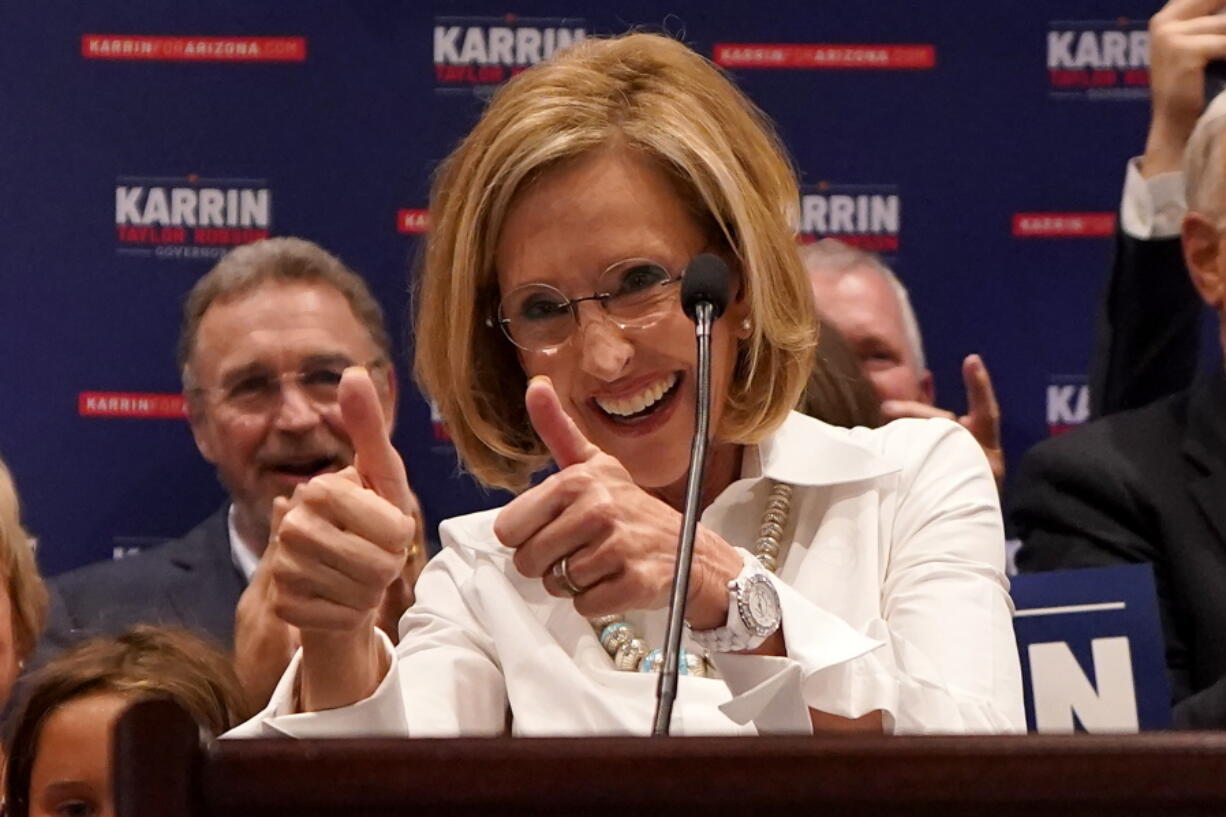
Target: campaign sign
(1092,650)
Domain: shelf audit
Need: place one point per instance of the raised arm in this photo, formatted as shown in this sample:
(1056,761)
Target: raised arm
(1146,339)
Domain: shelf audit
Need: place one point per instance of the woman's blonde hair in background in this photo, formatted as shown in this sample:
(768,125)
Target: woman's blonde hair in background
(19,571)
(645,93)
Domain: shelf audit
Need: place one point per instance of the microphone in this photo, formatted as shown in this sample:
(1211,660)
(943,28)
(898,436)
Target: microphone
(705,280)
(704,296)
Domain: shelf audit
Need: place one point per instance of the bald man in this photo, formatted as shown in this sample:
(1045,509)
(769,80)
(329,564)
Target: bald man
(857,293)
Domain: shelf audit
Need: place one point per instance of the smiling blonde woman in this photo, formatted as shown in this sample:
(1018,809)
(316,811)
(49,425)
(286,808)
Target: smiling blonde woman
(843,579)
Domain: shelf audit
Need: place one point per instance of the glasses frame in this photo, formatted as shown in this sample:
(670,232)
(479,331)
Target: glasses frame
(572,304)
(211,391)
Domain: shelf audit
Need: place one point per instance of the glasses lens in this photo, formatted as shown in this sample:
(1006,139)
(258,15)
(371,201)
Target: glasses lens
(638,291)
(251,393)
(535,316)
(261,392)
(321,385)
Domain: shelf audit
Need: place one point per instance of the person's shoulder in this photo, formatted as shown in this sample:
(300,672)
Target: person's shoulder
(142,571)
(885,440)
(1137,435)
(904,450)
(1121,461)
(106,597)
(473,531)
(910,442)
(909,433)
(106,576)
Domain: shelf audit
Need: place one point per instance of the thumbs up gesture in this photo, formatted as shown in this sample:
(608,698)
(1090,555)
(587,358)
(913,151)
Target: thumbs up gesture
(347,536)
(590,533)
(347,552)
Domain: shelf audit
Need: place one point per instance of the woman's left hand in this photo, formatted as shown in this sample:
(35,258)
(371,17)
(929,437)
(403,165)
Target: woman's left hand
(619,543)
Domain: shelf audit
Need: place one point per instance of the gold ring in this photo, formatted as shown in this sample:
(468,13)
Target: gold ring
(562,574)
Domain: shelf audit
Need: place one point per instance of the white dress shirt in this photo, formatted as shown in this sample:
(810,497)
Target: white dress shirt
(893,592)
(244,556)
(1154,207)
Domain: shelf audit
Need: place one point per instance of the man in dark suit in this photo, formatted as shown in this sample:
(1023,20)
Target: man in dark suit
(189,582)
(1149,484)
(266,335)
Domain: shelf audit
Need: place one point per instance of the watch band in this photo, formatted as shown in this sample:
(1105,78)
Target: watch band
(738,633)
(720,639)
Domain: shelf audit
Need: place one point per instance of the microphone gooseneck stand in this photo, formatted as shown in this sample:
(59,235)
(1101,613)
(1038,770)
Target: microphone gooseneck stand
(704,296)
(666,689)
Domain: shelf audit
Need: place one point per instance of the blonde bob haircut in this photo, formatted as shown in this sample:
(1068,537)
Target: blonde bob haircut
(19,572)
(640,92)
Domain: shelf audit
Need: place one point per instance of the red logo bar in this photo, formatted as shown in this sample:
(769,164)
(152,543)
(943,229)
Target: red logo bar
(836,56)
(1063,225)
(178,235)
(1099,78)
(412,221)
(131,404)
(193,49)
(871,242)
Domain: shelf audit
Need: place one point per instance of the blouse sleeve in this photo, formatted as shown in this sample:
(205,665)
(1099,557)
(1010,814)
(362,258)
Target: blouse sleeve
(443,679)
(942,655)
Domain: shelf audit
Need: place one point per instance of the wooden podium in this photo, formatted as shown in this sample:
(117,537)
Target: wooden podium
(163,771)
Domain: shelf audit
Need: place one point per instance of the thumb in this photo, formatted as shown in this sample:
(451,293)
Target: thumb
(554,426)
(376,461)
(983,412)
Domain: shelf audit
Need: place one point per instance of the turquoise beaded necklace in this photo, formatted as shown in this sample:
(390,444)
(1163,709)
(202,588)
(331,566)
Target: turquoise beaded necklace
(631,653)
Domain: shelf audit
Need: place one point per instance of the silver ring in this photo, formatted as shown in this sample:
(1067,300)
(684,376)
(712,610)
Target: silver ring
(562,574)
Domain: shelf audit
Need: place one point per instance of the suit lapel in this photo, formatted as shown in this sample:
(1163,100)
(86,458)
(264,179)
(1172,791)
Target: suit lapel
(1205,445)
(206,591)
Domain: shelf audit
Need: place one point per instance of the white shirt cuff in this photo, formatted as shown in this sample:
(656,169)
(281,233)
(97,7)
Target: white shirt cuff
(379,715)
(1152,208)
(769,690)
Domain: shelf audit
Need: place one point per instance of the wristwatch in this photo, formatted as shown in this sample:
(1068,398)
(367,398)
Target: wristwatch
(754,613)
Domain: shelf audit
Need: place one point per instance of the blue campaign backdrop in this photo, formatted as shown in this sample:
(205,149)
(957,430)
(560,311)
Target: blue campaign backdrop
(989,139)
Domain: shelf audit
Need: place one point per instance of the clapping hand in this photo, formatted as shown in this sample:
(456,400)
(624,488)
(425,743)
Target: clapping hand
(263,642)
(982,418)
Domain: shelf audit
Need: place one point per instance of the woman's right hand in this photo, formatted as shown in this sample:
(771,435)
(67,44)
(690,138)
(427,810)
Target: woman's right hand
(341,544)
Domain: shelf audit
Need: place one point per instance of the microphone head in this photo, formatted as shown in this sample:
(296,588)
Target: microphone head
(705,279)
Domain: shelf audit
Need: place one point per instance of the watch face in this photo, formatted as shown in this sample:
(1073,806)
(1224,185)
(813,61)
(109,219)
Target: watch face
(760,611)
(760,607)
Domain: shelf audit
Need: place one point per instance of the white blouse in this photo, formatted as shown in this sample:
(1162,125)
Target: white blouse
(893,592)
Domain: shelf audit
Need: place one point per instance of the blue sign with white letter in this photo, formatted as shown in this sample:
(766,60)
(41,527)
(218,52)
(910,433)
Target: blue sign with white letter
(1092,650)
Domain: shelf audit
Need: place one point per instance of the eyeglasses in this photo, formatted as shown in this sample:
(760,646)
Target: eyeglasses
(635,293)
(260,392)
